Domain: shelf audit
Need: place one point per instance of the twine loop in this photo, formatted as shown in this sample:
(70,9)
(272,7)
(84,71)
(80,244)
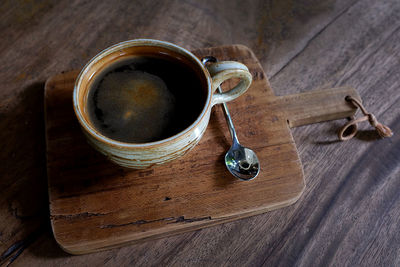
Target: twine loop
(349,130)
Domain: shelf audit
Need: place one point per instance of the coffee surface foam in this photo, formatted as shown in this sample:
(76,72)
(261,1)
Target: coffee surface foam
(133,106)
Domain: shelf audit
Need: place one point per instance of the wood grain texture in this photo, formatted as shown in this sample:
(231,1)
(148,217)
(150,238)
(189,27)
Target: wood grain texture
(349,212)
(95,204)
(318,106)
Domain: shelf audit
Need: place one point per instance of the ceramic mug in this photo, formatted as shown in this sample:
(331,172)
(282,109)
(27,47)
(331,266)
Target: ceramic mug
(144,155)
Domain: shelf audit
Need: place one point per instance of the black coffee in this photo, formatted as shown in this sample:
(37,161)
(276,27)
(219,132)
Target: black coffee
(145,99)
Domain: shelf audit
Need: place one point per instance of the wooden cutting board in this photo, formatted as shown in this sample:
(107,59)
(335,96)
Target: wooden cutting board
(95,205)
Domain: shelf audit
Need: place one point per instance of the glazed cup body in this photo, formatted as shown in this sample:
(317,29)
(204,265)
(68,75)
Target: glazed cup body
(145,155)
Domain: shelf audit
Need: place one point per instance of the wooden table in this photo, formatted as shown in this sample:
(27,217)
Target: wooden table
(350,211)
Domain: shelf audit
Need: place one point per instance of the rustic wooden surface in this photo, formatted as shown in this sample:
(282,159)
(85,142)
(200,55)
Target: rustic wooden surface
(95,204)
(349,212)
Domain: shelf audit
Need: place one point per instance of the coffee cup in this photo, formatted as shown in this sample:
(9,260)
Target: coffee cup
(146,102)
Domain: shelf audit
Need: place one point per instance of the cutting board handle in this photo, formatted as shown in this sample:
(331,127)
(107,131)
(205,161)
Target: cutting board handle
(318,106)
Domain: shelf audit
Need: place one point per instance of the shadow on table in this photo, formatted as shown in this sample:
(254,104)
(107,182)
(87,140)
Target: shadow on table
(24,210)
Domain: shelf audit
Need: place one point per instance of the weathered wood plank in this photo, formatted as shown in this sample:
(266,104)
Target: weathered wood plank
(95,205)
(348,221)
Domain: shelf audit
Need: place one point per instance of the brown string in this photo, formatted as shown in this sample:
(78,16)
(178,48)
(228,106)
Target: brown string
(351,127)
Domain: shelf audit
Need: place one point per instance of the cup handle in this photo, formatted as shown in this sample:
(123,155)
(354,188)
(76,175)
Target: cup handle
(224,70)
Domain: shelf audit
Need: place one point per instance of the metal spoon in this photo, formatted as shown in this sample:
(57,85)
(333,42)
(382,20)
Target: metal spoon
(241,161)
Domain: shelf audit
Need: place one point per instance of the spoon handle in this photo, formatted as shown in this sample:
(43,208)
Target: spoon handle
(226,111)
(229,120)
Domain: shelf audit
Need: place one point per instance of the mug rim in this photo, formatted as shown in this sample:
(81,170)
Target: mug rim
(135,42)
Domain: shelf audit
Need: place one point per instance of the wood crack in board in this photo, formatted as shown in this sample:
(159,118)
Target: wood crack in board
(180,219)
(76,216)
